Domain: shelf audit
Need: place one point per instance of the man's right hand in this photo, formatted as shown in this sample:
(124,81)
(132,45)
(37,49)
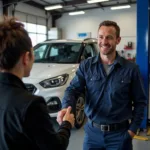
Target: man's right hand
(60,115)
(65,115)
(69,116)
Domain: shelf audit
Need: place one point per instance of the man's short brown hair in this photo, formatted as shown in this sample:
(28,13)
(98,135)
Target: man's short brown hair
(113,24)
(14,41)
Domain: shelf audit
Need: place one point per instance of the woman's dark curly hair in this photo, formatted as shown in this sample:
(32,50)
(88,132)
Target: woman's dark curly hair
(14,41)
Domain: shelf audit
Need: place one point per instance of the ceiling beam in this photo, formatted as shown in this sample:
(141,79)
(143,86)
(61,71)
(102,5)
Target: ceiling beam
(34,4)
(100,5)
(64,2)
(129,1)
(93,8)
(10,2)
(74,2)
(47,3)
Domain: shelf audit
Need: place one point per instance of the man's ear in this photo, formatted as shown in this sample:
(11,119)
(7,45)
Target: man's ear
(26,58)
(118,40)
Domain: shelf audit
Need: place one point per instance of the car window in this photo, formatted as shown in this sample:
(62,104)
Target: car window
(58,53)
(88,51)
(40,51)
(54,51)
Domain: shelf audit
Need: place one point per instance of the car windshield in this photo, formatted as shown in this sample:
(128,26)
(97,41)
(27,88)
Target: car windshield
(57,52)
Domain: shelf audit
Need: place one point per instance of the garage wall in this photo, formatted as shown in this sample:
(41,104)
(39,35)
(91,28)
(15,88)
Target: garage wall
(89,22)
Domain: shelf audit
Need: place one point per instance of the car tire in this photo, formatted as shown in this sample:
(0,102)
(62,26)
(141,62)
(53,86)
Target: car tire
(79,111)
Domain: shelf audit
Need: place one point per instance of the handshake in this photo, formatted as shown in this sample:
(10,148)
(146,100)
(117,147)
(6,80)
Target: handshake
(66,115)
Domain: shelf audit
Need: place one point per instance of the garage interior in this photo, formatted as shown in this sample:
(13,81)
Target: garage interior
(42,24)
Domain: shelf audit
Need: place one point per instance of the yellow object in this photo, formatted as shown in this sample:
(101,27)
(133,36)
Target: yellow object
(148,131)
(141,138)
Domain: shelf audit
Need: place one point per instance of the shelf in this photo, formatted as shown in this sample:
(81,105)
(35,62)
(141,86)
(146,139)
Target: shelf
(128,49)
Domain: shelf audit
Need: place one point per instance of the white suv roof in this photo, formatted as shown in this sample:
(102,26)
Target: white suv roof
(87,40)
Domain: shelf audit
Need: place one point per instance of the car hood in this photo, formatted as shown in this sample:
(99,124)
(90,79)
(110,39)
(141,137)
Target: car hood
(42,71)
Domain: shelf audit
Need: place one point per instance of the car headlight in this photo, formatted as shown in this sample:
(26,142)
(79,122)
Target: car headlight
(55,82)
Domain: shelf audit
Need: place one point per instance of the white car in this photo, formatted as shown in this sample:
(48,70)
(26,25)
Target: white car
(56,62)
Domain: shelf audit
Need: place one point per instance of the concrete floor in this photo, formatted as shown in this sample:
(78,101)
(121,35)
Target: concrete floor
(76,140)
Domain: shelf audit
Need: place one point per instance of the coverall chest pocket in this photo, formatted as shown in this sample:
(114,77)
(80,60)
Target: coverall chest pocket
(121,84)
(95,82)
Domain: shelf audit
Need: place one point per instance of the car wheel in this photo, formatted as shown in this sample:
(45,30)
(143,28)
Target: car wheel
(79,111)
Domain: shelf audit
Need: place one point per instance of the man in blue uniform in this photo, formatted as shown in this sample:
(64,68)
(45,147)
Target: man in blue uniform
(113,86)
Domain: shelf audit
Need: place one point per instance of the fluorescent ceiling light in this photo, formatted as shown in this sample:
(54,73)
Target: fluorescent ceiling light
(96,1)
(53,7)
(120,7)
(77,13)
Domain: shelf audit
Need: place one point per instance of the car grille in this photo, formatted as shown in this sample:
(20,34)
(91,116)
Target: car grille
(31,88)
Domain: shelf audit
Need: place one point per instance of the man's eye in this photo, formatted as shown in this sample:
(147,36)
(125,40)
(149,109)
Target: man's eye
(109,38)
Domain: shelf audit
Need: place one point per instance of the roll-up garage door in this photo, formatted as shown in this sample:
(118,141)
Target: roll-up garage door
(35,25)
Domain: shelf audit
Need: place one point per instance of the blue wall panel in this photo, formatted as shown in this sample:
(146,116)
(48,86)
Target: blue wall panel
(142,46)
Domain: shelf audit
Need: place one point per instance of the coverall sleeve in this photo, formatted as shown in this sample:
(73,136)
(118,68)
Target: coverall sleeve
(76,87)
